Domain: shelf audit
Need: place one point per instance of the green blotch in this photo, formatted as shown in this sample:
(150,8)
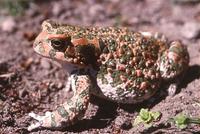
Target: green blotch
(41,49)
(129,53)
(100,75)
(125,58)
(116,78)
(59,31)
(105,50)
(141,63)
(111,63)
(102,72)
(117,29)
(139,80)
(79,107)
(104,80)
(122,59)
(112,45)
(82,30)
(72,109)
(53,122)
(71,28)
(126,38)
(102,45)
(90,37)
(62,112)
(52,53)
(176,50)
(119,91)
(78,36)
(84,93)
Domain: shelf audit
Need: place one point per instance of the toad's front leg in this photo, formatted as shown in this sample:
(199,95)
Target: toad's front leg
(69,112)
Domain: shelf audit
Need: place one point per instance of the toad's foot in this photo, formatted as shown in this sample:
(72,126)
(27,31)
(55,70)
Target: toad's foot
(69,112)
(39,119)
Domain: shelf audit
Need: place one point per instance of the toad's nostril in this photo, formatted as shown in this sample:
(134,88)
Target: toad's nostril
(36,43)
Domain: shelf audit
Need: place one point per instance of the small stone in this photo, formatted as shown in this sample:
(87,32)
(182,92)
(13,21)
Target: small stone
(33,10)
(27,63)
(96,9)
(29,35)
(60,85)
(8,25)
(45,64)
(191,30)
(57,9)
(119,121)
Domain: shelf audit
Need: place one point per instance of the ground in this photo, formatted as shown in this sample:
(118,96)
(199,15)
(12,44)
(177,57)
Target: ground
(29,82)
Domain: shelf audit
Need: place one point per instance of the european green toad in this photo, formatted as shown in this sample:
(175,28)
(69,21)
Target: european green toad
(110,62)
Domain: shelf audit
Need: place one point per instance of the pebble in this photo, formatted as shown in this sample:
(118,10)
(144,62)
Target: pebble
(33,10)
(119,121)
(60,85)
(56,9)
(29,35)
(96,10)
(26,64)
(191,30)
(8,25)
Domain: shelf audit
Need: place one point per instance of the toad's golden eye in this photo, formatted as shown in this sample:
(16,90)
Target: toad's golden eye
(59,45)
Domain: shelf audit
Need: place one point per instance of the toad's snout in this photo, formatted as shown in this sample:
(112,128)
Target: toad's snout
(41,45)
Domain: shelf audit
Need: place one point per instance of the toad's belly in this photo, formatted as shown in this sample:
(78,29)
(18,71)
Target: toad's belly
(118,93)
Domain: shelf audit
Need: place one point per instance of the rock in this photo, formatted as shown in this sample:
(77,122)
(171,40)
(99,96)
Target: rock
(8,25)
(57,9)
(26,64)
(190,30)
(29,35)
(33,10)
(96,10)
(60,85)
(119,121)
(45,63)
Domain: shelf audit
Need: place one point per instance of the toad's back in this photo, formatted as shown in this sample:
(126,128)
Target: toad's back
(113,63)
(127,62)
(129,70)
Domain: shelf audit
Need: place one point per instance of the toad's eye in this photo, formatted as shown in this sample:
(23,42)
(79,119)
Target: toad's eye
(59,45)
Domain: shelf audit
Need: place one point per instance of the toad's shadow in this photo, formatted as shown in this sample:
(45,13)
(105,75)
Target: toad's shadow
(192,74)
(106,112)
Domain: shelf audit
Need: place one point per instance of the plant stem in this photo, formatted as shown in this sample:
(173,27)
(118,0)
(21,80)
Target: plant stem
(192,120)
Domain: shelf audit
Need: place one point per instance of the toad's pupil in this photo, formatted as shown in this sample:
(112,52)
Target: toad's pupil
(57,43)
(60,45)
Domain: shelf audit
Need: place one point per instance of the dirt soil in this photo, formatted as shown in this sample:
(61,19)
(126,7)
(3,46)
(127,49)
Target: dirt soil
(29,82)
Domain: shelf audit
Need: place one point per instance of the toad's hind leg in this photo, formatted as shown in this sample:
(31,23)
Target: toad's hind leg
(69,112)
